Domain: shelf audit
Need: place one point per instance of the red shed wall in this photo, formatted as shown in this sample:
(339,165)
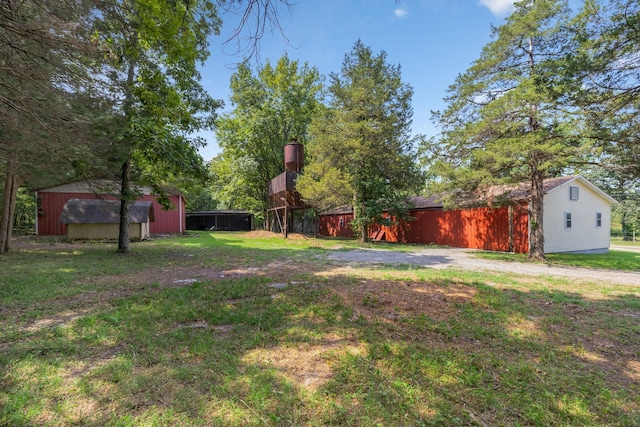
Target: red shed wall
(480,228)
(173,220)
(51,204)
(329,225)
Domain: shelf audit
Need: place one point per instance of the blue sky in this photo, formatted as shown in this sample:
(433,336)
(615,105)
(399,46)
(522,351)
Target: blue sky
(432,40)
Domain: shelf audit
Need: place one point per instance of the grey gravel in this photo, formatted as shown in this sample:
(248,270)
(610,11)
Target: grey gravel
(465,259)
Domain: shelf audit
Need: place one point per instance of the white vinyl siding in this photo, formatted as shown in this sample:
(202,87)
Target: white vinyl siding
(583,235)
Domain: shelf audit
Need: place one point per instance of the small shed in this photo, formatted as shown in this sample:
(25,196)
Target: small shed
(220,220)
(100,219)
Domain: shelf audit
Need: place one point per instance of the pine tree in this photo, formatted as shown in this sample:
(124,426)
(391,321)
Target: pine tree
(504,121)
(361,148)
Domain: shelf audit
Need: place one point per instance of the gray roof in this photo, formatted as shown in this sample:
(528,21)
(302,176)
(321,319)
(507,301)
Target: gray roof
(96,211)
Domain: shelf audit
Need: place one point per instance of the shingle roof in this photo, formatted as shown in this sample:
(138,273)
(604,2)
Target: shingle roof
(523,190)
(95,211)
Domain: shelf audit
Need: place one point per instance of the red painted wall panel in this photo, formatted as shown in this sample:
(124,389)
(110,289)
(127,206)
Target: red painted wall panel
(330,225)
(168,221)
(480,228)
(51,204)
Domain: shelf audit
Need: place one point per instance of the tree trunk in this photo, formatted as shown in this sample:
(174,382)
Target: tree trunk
(536,212)
(8,207)
(125,198)
(362,225)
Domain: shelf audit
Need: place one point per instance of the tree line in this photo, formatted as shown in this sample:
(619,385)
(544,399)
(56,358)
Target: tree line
(555,91)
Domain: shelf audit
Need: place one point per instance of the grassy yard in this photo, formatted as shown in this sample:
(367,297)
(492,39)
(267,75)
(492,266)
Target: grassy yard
(231,329)
(613,260)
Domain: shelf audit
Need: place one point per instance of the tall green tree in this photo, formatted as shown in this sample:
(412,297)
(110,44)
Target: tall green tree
(361,149)
(272,106)
(155,47)
(606,74)
(45,94)
(504,121)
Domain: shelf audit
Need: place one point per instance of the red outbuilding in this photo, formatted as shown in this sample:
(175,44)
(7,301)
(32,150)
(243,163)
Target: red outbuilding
(577,219)
(51,202)
(478,228)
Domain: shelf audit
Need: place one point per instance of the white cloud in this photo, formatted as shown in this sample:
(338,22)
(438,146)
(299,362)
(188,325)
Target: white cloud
(401,12)
(498,7)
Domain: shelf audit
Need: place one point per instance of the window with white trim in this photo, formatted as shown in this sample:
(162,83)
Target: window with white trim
(574,193)
(567,220)
(598,219)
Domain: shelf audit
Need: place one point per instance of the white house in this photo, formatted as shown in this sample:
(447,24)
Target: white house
(577,217)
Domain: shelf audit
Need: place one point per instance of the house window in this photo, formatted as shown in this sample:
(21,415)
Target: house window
(574,193)
(567,220)
(598,219)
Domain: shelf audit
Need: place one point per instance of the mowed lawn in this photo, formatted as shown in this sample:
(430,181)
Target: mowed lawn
(228,329)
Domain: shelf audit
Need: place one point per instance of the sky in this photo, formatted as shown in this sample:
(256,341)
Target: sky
(432,40)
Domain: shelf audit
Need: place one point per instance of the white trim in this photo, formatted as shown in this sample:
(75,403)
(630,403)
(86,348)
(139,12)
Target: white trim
(574,193)
(36,195)
(568,219)
(180,210)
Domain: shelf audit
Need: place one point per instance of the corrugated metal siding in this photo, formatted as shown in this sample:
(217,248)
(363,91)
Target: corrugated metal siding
(583,234)
(330,225)
(50,209)
(168,221)
(480,228)
(51,204)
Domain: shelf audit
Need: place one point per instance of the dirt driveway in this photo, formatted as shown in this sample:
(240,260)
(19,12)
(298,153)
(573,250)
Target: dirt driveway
(465,259)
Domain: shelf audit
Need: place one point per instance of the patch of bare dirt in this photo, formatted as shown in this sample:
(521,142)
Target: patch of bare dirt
(390,300)
(309,365)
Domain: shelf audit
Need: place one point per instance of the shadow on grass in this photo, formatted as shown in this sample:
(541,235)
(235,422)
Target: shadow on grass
(324,350)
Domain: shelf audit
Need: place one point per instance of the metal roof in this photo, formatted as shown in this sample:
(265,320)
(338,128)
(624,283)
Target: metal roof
(96,211)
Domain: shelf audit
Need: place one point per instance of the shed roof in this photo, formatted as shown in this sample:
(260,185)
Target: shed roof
(95,211)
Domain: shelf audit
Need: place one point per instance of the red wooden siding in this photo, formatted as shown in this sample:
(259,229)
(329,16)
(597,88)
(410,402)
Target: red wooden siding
(480,228)
(51,204)
(330,225)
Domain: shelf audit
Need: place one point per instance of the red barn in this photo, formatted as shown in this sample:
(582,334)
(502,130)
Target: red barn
(478,228)
(577,219)
(52,200)
(504,229)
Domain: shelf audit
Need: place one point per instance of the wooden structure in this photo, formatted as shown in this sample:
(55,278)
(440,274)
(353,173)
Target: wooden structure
(88,219)
(220,220)
(51,201)
(283,199)
(577,219)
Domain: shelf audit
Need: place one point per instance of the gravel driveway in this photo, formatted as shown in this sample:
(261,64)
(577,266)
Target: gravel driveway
(465,259)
